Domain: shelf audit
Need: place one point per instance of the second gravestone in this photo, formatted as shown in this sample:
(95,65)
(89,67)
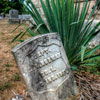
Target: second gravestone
(45,69)
(13,17)
(13,13)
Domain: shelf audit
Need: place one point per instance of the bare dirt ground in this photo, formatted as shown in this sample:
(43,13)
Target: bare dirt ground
(10,78)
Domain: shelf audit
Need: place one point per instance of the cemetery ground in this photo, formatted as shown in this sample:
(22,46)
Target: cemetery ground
(10,77)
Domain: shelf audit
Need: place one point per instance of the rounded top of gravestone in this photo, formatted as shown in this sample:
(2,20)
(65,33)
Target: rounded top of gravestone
(13,13)
(30,40)
(13,10)
(1,18)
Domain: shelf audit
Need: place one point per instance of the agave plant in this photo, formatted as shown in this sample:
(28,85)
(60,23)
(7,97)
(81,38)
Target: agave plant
(66,18)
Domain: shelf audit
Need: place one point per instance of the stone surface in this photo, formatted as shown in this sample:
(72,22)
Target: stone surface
(13,13)
(25,17)
(1,18)
(13,17)
(2,15)
(14,21)
(44,66)
(7,16)
(18,97)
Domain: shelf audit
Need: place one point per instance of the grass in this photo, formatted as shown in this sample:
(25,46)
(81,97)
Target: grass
(6,85)
(8,65)
(0,70)
(92,69)
(17,77)
(7,69)
(0,60)
(95,69)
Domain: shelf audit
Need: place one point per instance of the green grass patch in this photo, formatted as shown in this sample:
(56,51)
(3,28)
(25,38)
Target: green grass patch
(6,85)
(8,65)
(93,69)
(17,77)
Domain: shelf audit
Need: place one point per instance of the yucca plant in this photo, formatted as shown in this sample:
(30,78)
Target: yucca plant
(66,18)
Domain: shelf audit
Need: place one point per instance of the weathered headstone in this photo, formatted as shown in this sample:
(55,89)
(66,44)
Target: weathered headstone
(45,69)
(13,13)
(7,16)
(1,18)
(13,17)
(24,17)
(2,15)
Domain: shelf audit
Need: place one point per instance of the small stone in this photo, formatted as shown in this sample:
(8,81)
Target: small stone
(18,97)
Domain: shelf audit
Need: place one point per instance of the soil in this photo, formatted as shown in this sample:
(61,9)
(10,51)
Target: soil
(10,78)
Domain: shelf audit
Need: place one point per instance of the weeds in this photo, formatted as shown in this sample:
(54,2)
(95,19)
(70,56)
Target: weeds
(17,77)
(7,69)
(6,85)
(93,69)
(8,65)
(0,70)
(0,61)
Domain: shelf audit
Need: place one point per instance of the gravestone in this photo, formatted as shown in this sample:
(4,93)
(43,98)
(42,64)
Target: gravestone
(13,17)
(1,17)
(24,17)
(7,16)
(44,66)
(13,13)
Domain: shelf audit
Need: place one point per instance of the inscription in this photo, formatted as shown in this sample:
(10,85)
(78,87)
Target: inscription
(46,72)
(55,77)
(51,70)
(50,59)
(41,53)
